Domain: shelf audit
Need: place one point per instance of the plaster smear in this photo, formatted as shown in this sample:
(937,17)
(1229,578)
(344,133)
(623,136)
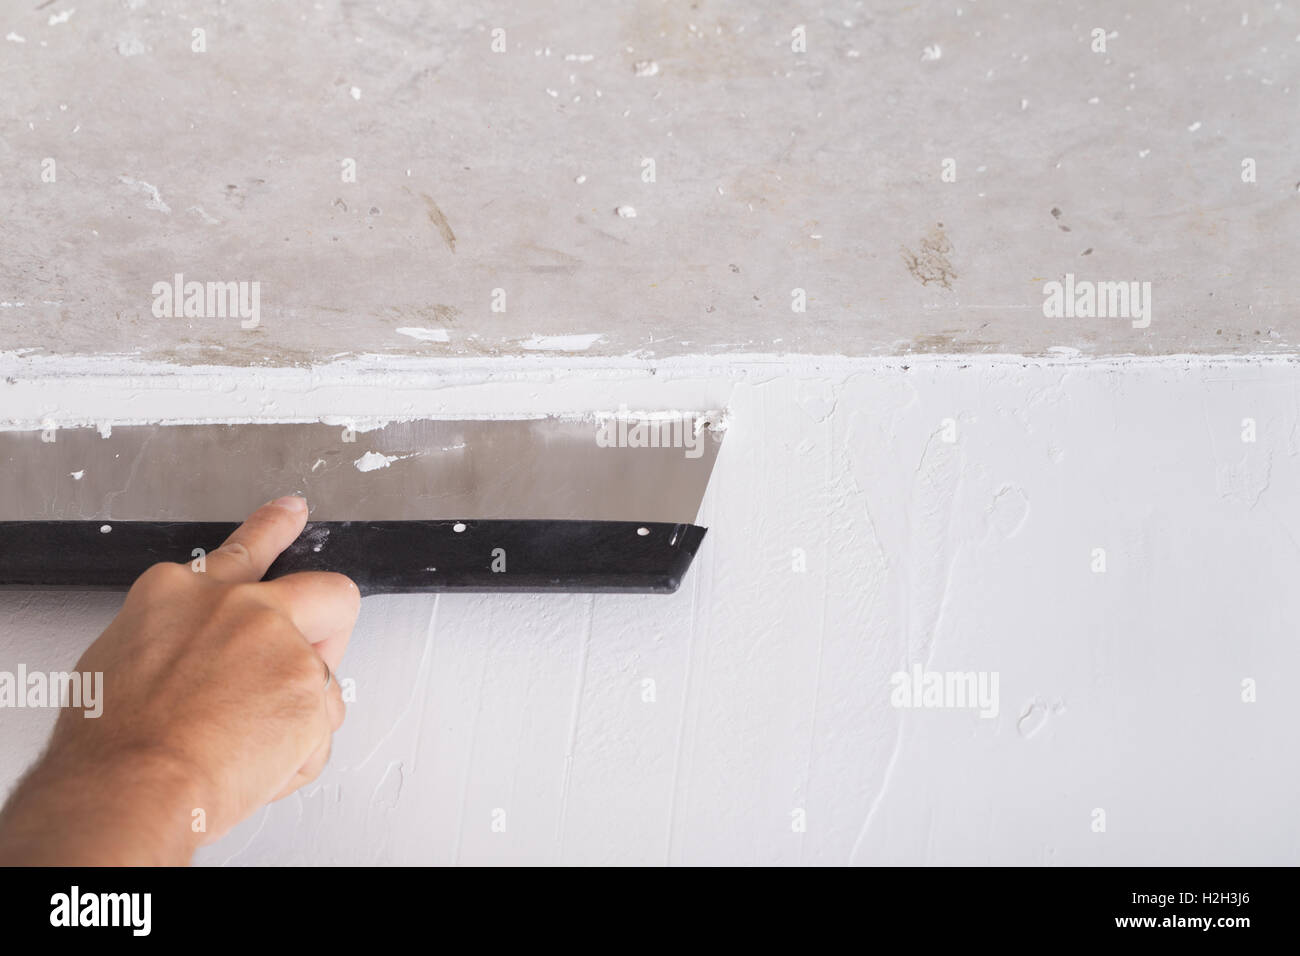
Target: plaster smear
(373,460)
(426,335)
(561,343)
(1058,523)
(154,201)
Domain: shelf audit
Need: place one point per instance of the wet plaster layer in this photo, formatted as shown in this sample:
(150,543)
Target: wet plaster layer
(646,178)
(1115,541)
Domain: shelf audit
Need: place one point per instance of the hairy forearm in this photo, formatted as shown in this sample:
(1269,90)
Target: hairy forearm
(132,810)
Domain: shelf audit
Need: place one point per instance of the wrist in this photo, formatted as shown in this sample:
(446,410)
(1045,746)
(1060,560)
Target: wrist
(122,809)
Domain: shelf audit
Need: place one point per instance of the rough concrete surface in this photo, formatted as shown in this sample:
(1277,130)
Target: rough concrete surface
(495,179)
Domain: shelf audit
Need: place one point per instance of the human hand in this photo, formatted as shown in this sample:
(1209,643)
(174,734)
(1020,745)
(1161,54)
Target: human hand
(216,701)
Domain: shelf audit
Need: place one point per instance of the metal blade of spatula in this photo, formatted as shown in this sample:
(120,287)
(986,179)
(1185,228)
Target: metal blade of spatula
(604,504)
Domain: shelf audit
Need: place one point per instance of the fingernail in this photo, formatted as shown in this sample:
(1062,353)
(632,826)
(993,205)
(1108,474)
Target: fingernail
(290,503)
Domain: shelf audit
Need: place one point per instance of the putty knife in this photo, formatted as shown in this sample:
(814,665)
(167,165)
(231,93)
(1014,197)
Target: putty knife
(604,505)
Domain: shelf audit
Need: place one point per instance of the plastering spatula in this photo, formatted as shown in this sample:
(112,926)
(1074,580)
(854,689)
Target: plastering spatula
(550,504)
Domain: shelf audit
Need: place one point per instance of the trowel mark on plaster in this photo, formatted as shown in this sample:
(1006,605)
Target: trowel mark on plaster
(819,402)
(859,470)
(1033,716)
(418,696)
(1009,510)
(1031,720)
(1044,395)
(929,568)
(877,586)
(927,578)
(252,838)
(388,792)
(1246,479)
(571,739)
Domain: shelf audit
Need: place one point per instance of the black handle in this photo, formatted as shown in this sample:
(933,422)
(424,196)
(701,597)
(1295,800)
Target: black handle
(382,557)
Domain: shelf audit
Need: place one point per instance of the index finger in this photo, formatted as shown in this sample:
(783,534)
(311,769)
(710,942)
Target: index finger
(251,548)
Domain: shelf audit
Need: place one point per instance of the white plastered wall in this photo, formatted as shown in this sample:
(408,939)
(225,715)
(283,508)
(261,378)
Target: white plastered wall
(1120,691)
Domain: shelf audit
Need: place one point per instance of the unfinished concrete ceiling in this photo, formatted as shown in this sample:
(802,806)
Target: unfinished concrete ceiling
(919,171)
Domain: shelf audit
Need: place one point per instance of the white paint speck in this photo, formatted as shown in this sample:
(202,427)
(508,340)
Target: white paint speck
(78,475)
(15,38)
(1143,153)
(932,52)
(202,213)
(105,528)
(626,212)
(1194,127)
(128,44)
(580,179)
(356,92)
(64,17)
(645,67)
(561,343)
(580,57)
(155,200)
(373,461)
(426,335)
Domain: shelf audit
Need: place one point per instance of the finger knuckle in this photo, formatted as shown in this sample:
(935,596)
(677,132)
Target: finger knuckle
(236,550)
(164,575)
(304,671)
(258,620)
